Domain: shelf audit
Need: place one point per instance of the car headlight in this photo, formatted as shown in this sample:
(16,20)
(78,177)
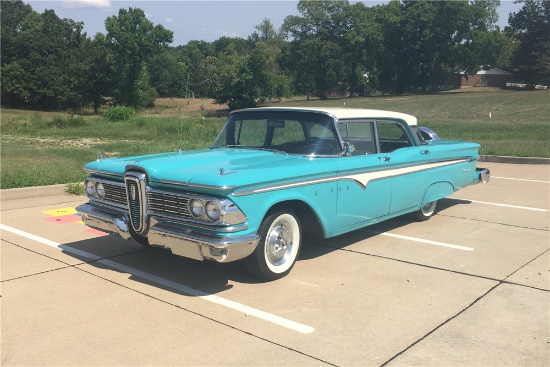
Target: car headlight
(196,208)
(89,187)
(212,211)
(99,190)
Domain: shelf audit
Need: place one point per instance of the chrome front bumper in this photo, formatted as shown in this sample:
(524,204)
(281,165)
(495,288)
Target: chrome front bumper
(183,242)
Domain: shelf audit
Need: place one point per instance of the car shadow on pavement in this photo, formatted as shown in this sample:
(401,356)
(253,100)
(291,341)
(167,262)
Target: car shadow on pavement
(315,246)
(145,264)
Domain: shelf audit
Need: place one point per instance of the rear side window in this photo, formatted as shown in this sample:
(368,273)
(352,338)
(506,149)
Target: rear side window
(392,136)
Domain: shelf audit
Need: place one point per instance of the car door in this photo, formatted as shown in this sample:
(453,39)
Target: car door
(363,193)
(407,165)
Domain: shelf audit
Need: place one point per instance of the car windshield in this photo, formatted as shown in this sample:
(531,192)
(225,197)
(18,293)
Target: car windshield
(301,133)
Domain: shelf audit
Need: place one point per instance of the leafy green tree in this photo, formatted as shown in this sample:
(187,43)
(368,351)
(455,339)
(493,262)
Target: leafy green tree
(198,58)
(244,80)
(168,76)
(134,41)
(531,27)
(317,36)
(12,14)
(100,71)
(45,71)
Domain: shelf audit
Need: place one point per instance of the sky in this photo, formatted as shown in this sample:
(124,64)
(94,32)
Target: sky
(202,20)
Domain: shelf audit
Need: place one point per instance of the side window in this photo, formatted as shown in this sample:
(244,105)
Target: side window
(360,134)
(392,136)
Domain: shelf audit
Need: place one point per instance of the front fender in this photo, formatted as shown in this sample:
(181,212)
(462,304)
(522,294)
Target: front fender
(321,198)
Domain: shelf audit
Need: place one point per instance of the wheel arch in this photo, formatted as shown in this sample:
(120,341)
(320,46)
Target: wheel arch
(437,191)
(309,220)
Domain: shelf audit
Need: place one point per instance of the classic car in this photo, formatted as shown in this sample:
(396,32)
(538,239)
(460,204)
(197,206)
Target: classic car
(274,176)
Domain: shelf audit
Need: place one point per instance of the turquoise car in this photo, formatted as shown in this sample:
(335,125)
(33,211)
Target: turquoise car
(274,176)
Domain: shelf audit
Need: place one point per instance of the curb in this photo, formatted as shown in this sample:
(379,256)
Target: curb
(32,192)
(513,160)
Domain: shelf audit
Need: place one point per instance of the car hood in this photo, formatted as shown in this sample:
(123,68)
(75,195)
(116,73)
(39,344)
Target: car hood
(220,169)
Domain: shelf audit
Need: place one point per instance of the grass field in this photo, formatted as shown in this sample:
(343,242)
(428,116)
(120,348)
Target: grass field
(37,150)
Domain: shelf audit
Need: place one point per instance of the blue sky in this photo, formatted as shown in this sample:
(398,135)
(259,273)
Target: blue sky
(195,20)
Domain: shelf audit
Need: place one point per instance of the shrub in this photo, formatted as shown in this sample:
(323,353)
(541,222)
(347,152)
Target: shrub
(148,97)
(119,113)
(61,122)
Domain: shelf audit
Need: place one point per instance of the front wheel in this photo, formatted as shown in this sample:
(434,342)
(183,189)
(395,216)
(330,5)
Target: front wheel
(280,240)
(425,212)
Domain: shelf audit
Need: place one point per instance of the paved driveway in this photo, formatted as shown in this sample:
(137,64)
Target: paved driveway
(469,287)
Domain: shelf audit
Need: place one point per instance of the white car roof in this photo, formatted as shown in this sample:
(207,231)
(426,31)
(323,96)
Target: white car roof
(348,113)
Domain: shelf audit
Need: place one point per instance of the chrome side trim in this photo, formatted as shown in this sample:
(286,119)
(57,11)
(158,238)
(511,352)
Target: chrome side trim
(114,174)
(283,186)
(362,178)
(197,186)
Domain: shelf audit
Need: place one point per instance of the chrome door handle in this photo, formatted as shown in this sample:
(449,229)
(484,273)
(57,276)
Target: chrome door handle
(384,159)
(426,151)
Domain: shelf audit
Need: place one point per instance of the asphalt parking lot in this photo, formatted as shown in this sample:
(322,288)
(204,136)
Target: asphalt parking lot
(469,287)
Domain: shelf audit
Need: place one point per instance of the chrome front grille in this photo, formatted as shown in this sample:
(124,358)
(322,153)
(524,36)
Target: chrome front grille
(168,204)
(115,193)
(135,195)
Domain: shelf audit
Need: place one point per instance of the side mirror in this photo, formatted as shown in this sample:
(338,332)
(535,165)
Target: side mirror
(348,148)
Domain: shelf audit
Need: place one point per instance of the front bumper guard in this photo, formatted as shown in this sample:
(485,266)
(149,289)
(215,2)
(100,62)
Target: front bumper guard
(183,242)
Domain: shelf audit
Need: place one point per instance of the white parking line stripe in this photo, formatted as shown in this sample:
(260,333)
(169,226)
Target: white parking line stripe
(505,205)
(520,179)
(168,283)
(456,247)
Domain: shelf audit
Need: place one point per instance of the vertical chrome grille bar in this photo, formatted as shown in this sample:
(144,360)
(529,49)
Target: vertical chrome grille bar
(135,183)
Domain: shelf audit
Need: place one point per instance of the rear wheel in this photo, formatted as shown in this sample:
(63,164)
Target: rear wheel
(277,251)
(425,212)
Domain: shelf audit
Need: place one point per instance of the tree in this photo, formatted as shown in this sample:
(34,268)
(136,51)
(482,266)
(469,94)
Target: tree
(13,14)
(531,27)
(168,75)
(244,80)
(100,72)
(134,40)
(317,38)
(44,69)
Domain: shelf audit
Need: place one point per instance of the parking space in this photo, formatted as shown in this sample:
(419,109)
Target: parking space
(468,287)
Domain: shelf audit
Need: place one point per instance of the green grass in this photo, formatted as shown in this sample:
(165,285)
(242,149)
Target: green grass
(34,152)
(39,148)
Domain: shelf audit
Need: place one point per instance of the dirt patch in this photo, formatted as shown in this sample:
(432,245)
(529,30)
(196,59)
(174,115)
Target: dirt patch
(49,142)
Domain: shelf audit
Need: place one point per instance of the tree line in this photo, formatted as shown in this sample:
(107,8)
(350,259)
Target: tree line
(333,46)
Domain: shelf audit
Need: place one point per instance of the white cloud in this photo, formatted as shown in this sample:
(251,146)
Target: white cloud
(75,4)
(168,20)
(228,34)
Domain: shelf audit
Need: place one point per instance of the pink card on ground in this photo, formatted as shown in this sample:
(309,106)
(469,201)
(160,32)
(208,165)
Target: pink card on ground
(64,219)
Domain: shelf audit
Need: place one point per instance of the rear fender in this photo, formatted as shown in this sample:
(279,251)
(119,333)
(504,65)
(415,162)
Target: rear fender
(436,191)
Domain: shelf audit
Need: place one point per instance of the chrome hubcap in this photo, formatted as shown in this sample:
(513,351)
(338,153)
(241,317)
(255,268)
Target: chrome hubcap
(428,208)
(279,243)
